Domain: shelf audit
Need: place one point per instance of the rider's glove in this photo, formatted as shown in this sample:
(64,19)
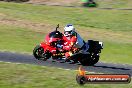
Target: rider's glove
(59,46)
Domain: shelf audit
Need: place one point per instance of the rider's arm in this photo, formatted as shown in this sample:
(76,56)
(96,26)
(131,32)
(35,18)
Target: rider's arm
(66,44)
(73,39)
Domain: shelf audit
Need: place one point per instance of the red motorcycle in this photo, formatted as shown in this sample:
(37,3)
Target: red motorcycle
(53,48)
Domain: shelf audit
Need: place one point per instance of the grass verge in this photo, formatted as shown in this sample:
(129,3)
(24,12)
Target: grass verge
(116,20)
(32,76)
(18,39)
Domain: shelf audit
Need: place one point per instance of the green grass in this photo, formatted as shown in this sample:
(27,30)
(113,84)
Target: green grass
(31,76)
(18,39)
(115,3)
(116,53)
(115,20)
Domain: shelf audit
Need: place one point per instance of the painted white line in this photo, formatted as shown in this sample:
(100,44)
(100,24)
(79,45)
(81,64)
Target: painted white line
(10,62)
(15,52)
(67,69)
(104,62)
(46,66)
(87,72)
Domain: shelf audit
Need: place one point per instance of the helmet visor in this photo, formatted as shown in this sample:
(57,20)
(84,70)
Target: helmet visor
(67,32)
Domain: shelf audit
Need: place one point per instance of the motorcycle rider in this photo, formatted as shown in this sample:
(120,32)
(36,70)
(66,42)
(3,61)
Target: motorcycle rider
(74,39)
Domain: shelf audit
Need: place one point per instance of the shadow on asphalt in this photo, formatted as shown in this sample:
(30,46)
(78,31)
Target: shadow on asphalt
(111,67)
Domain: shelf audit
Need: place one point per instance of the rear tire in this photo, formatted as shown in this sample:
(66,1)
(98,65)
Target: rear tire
(94,59)
(87,60)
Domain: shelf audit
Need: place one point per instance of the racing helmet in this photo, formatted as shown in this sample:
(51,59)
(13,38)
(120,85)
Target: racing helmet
(69,30)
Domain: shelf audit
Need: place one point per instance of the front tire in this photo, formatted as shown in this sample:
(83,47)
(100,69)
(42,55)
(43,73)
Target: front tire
(38,52)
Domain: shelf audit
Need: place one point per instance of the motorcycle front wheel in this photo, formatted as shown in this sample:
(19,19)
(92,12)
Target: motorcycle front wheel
(38,52)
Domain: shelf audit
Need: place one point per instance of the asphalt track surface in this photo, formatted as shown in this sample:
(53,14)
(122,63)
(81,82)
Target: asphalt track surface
(99,67)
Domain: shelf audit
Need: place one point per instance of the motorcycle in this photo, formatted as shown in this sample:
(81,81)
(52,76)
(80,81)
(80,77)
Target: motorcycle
(52,48)
(89,3)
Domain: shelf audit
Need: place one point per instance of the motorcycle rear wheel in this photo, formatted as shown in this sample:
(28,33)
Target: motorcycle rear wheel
(88,60)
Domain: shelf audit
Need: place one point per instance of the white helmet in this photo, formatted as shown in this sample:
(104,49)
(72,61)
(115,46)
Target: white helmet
(69,29)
